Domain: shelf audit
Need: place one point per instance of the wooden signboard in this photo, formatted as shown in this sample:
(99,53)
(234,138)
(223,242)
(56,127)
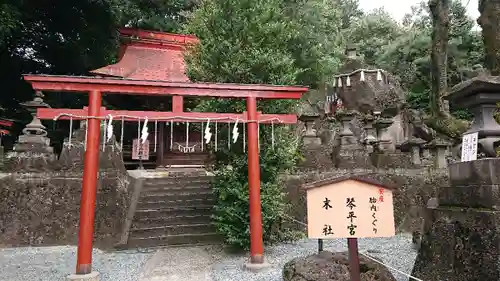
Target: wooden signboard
(140,151)
(349,207)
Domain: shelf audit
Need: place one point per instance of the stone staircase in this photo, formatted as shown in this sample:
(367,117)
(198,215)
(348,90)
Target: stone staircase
(174,209)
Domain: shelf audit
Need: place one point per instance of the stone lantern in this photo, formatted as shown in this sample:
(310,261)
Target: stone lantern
(480,95)
(309,117)
(462,230)
(32,150)
(384,138)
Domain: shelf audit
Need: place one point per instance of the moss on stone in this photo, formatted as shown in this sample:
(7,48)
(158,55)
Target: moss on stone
(448,126)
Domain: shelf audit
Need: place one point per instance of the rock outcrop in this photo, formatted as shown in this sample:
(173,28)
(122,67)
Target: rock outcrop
(328,266)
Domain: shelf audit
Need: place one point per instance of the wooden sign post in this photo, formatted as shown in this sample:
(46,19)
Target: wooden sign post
(350,207)
(140,151)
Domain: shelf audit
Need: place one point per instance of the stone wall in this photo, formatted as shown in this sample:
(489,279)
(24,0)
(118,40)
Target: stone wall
(415,183)
(41,207)
(414,188)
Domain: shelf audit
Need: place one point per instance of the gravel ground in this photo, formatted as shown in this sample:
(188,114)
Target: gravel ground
(188,263)
(55,263)
(396,252)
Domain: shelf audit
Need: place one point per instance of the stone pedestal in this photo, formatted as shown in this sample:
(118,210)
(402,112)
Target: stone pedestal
(346,135)
(32,152)
(461,235)
(413,146)
(439,150)
(310,137)
(384,138)
(72,154)
(93,276)
(311,141)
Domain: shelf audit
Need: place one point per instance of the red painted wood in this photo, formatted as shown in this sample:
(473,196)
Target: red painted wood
(89,188)
(6,123)
(162,36)
(177,104)
(51,113)
(156,88)
(256,243)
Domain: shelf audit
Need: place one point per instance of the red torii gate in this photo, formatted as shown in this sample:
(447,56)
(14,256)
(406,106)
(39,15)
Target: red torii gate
(152,64)
(95,87)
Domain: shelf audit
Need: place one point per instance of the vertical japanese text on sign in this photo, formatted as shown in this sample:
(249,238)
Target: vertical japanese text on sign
(327,229)
(373,209)
(349,208)
(381,195)
(350,203)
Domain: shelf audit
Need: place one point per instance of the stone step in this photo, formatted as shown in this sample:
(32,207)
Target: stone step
(156,231)
(166,194)
(166,190)
(168,219)
(155,203)
(177,181)
(175,240)
(141,214)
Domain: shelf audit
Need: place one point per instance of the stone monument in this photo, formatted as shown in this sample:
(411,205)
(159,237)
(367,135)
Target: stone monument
(32,152)
(461,232)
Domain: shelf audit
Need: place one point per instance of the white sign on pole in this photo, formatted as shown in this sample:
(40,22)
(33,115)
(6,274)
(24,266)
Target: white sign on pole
(469,147)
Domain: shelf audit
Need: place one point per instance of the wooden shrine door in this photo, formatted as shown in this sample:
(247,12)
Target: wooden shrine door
(182,145)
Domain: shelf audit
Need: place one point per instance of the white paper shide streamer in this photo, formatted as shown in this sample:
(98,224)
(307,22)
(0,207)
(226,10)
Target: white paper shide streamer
(109,129)
(208,134)
(144,132)
(235,132)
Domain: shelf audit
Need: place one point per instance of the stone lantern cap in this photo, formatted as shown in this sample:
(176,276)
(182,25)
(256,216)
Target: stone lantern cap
(473,92)
(438,143)
(407,145)
(307,113)
(481,95)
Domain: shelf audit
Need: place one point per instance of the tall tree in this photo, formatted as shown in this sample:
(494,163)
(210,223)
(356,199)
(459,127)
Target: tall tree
(489,20)
(439,56)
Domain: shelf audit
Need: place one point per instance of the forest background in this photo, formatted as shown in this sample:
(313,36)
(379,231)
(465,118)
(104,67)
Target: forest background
(250,41)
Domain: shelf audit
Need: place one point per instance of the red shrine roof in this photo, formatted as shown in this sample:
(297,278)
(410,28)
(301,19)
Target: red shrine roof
(150,56)
(152,63)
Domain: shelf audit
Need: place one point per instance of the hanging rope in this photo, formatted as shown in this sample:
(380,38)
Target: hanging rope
(190,119)
(121,133)
(156,134)
(86,133)
(216,141)
(258,134)
(229,135)
(187,134)
(272,135)
(70,132)
(139,146)
(244,137)
(103,133)
(171,135)
(201,135)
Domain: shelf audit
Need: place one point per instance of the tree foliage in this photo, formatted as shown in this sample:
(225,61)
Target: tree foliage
(253,45)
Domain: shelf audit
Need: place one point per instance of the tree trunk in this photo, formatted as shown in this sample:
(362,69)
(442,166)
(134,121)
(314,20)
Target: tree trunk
(489,20)
(439,53)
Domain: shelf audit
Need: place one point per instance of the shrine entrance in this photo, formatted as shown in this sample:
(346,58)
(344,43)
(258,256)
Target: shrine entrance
(182,145)
(131,76)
